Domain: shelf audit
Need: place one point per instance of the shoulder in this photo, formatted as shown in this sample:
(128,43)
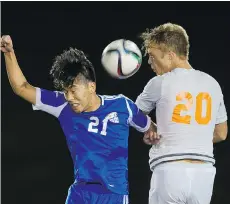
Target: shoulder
(115,99)
(154,84)
(207,78)
(52,102)
(157,80)
(111,97)
(56,98)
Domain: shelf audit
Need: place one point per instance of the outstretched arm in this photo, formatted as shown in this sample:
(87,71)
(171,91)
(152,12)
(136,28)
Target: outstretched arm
(17,80)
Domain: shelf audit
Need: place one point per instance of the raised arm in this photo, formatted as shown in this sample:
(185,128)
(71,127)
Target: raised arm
(17,80)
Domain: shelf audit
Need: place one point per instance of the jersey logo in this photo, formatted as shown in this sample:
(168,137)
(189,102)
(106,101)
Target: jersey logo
(112,117)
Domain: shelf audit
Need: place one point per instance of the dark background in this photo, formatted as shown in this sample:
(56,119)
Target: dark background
(36,165)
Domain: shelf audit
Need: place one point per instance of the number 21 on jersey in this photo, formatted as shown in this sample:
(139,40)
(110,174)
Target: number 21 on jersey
(93,125)
(200,98)
(95,122)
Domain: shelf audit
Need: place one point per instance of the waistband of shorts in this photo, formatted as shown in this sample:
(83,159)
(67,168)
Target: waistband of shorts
(89,183)
(181,157)
(183,165)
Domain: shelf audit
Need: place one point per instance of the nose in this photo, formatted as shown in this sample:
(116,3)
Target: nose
(149,61)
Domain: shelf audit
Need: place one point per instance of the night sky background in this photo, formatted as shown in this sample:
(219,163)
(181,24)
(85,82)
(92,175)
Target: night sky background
(36,164)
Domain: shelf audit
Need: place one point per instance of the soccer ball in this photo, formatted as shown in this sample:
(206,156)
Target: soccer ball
(121,58)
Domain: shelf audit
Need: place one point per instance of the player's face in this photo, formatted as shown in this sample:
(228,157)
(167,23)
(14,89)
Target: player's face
(158,60)
(79,95)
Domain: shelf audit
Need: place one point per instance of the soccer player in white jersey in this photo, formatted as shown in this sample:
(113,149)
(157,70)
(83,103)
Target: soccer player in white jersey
(190,115)
(96,127)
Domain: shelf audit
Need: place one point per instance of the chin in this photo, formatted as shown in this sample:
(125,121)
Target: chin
(77,110)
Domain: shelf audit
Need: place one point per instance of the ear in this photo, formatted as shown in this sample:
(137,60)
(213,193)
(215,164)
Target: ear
(92,87)
(171,55)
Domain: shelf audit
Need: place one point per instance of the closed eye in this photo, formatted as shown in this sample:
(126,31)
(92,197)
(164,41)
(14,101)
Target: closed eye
(74,91)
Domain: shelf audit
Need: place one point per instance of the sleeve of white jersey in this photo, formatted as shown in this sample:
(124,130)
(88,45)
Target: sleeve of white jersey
(222,113)
(146,101)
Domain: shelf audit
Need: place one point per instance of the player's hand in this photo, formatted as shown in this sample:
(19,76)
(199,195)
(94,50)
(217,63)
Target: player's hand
(6,44)
(151,137)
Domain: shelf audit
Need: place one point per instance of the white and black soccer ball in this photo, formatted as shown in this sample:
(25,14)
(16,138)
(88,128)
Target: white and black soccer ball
(121,59)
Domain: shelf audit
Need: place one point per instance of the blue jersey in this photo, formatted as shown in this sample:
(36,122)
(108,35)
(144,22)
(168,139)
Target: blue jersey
(97,140)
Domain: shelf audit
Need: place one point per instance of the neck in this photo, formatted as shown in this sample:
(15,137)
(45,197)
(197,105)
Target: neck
(94,104)
(183,64)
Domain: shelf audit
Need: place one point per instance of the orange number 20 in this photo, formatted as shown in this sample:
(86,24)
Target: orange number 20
(186,119)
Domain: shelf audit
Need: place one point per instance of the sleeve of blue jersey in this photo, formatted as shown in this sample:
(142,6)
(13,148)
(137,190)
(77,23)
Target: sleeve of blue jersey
(51,102)
(137,118)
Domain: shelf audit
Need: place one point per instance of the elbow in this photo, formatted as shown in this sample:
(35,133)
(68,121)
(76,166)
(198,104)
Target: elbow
(222,136)
(224,133)
(18,90)
(221,132)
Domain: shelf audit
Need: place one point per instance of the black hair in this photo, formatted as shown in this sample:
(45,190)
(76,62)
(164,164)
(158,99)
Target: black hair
(69,65)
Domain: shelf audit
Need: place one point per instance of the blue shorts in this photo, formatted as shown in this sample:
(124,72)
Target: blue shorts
(93,194)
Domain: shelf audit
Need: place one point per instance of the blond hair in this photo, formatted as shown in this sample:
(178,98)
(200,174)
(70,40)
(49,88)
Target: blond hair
(167,37)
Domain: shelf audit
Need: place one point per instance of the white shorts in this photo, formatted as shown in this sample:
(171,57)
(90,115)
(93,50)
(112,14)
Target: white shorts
(182,183)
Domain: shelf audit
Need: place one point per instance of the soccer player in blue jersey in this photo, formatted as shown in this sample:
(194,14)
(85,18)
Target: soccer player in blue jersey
(96,127)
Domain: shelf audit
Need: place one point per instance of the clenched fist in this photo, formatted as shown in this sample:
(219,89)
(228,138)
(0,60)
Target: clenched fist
(6,44)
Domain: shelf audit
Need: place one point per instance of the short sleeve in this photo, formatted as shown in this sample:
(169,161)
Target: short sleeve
(137,119)
(51,102)
(222,113)
(146,101)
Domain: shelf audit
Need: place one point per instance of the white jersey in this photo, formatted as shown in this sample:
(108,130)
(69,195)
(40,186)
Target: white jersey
(189,103)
